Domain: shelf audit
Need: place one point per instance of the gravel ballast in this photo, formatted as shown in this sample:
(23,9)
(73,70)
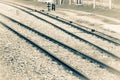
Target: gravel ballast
(20,61)
(47,29)
(90,69)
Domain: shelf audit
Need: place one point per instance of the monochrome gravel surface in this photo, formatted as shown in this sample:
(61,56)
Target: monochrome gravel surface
(66,39)
(88,68)
(100,23)
(21,61)
(30,61)
(112,48)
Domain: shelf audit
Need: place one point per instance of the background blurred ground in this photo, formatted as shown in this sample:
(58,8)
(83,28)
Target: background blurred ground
(115,12)
(75,12)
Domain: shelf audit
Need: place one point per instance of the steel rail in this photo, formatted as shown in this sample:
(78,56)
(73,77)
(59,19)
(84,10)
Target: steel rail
(83,55)
(73,35)
(53,57)
(78,26)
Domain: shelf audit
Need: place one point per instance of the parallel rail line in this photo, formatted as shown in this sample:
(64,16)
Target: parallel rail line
(71,34)
(53,57)
(92,60)
(78,26)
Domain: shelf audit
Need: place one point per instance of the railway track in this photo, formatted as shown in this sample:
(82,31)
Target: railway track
(75,25)
(70,49)
(99,48)
(83,55)
(47,53)
(75,36)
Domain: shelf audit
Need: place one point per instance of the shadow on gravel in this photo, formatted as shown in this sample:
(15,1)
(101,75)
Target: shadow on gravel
(71,34)
(54,58)
(75,25)
(92,60)
(87,30)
